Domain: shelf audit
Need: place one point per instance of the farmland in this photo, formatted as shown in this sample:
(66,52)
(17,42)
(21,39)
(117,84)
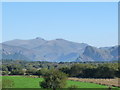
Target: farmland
(21,74)
(29,82)
(109,82)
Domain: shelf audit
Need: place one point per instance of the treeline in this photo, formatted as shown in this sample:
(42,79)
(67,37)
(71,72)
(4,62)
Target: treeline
(72,69)
(107,70)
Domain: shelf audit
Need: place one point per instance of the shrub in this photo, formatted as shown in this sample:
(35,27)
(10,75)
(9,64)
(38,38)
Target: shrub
(54,79)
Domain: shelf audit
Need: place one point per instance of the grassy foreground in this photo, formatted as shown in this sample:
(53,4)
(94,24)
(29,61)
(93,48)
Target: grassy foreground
(28,82)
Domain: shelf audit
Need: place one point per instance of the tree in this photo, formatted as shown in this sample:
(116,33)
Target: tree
(4,68)
(76,70)
(117,73)
(89,72)
(17,72)
(54,79)
(41,72)
(65,70)
(104,72)
(31,71)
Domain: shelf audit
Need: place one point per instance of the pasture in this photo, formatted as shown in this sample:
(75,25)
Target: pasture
(110,82)
(29,82)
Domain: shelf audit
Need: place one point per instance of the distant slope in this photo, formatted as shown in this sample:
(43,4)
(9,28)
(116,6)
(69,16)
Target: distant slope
(95,54)
(15,52)
(56,50)
(29,44)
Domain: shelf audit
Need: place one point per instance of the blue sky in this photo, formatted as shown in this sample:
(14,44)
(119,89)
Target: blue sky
(83,22)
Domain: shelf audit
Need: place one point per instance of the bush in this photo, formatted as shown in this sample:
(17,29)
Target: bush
(54,79)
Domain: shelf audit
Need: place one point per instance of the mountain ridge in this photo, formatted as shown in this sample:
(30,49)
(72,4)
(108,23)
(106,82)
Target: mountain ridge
(56,50)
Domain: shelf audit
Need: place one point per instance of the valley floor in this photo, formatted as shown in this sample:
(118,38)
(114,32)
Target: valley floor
(33,82)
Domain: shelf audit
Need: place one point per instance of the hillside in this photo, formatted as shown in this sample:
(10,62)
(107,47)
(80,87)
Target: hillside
(58,50)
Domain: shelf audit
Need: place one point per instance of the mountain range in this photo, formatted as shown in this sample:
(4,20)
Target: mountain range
(58,50)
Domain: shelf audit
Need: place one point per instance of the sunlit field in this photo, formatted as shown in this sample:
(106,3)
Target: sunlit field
(110,82)
(30,82)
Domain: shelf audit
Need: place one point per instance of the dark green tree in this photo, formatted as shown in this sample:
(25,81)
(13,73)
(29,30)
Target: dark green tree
(104,72)
(65,70)
(54,79)
(17,72)
(76,70)
(89,72)
(41,72)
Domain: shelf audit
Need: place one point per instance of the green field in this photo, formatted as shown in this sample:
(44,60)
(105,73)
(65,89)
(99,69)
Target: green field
(28,82)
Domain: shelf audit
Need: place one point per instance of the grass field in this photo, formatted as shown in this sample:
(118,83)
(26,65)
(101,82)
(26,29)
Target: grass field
(28,82)
(109,82)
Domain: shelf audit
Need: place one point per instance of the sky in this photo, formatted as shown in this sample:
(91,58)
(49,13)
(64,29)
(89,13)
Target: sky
(94,23)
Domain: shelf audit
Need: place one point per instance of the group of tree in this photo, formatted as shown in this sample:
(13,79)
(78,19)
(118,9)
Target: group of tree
(72,69)
(108,70)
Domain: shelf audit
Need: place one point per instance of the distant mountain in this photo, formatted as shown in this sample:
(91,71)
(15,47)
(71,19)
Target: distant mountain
(99,54)
(29,44)
(58,50)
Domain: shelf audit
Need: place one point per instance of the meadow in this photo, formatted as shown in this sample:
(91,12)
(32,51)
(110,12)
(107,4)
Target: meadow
(29,82)
(21,74)
(110,82)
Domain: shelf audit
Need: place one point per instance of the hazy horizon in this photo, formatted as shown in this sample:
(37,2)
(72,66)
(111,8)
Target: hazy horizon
(94,23)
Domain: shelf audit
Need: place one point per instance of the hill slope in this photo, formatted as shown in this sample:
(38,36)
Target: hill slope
(55,50)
